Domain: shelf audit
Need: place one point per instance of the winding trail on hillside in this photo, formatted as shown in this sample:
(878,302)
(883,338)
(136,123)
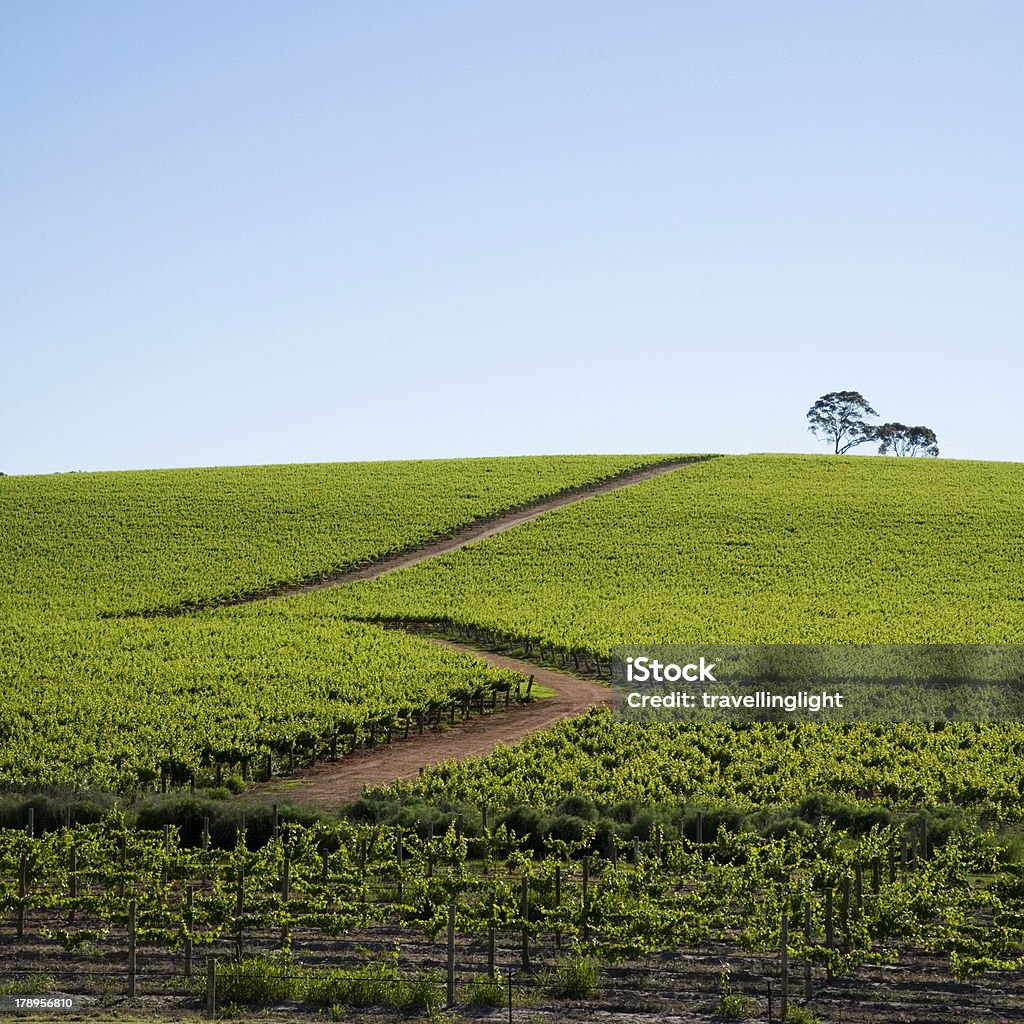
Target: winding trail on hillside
(341,782)
(470,533)
(473,532)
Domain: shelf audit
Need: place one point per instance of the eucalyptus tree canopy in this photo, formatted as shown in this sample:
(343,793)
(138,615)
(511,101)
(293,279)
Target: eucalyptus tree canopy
(900,439)
(838,418)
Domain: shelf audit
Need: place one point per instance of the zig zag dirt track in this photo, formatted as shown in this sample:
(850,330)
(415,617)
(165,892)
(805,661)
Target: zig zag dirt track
(340,782)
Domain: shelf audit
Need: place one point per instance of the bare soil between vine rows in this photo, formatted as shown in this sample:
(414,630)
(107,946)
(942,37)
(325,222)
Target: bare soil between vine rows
(673,987)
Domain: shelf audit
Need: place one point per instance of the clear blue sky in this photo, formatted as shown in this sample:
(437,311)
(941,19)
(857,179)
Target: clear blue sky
(261,232)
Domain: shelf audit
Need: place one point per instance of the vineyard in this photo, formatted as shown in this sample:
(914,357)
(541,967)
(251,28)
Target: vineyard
(443,917)
(754,766)
(88,543)
(131,704)
(128,702)
(754,549)
(860,872)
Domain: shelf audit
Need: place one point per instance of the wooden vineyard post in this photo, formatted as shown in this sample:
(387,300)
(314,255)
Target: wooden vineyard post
(189,921)
(451,954)
(211,987)
(524,911)
(586,897)
(206,833)
(636,851)
(167,855)
(844,912)
(558,904)
(858,886)
(30,826)
(72,880)
(122,861)
(784,963)
(22,892)
(830,931)
(490,941)
(400,857)
(131,948)
(239,911)
(892,864)
(808,980)
(362,869)
(286,881)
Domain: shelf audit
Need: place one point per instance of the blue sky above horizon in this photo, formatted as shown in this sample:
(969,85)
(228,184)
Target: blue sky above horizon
(240,233)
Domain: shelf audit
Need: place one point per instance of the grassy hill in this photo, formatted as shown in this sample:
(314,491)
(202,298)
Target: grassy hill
(109,542)
(738,549)
(745,549)
(115,701)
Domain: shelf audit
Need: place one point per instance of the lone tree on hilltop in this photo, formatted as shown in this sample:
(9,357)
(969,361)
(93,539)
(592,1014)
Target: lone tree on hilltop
(903,440)
(838,417)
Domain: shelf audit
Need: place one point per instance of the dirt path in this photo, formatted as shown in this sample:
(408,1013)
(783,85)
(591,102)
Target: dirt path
(473,532)
(341,782)
(468,534)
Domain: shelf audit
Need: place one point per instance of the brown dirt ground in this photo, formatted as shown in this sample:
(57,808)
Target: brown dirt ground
(341,782)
